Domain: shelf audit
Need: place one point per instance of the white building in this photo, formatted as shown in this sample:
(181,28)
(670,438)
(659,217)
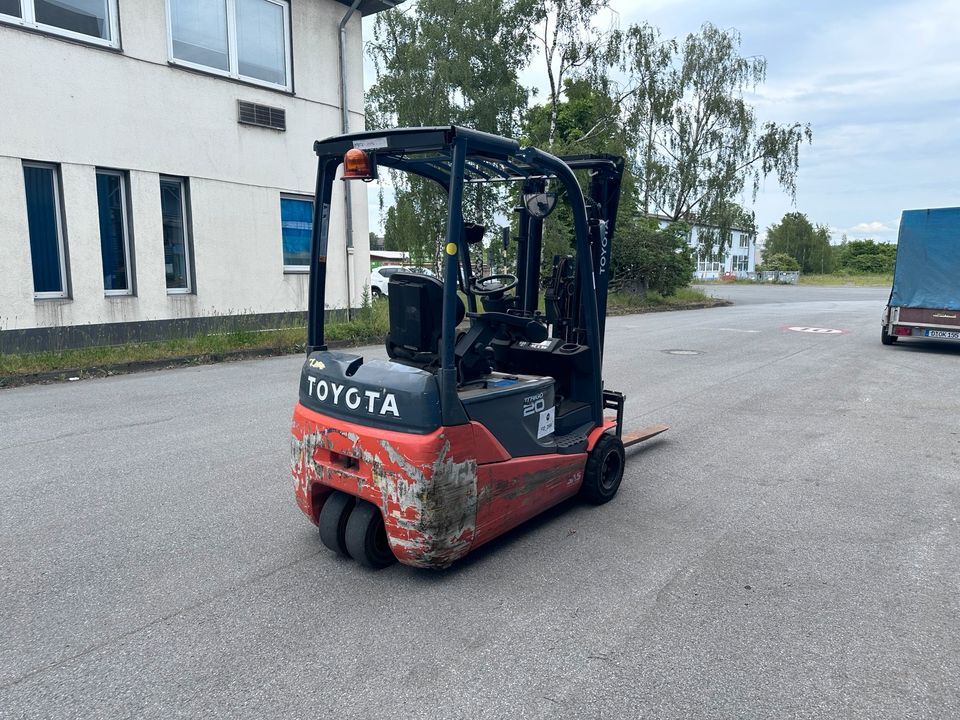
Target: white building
(157,166)
(738,257)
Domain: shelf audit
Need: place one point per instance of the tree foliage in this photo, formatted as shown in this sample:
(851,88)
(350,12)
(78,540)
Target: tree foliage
(440,62)
(646,257)
(701,144)
(569,44)
(865,256)
(444,61)
(584,106)
(408,230)
(796,236)
(694,144)
(780,261)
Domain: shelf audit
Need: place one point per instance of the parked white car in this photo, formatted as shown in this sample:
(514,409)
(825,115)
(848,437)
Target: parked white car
(380,277)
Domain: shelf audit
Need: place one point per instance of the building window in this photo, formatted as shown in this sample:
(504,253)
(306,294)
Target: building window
(243,39)
(744,240)
(296,226)
(709,266)
(45,223)
(176,235)
(114,232)
(708,261)
(11,8)
(741,263)
(90,20)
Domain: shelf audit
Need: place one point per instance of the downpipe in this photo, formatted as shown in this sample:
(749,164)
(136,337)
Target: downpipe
(345,128)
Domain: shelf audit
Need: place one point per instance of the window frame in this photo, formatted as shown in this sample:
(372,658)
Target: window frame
(711,264)
(64,293)
(29,20)
(296,269)
(233,59)
(190,289)
(127,243)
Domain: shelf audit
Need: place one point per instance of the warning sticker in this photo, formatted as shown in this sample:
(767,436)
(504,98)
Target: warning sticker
(546,422)
(370,143)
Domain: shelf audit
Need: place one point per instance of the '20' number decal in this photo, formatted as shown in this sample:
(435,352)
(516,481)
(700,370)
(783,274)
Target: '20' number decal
(533,405)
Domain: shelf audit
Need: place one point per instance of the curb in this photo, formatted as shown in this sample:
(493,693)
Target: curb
(718,302)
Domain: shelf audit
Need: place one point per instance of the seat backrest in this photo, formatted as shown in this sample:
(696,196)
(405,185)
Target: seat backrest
(416,316)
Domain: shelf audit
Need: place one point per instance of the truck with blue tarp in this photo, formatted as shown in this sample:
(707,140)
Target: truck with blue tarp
(925,298)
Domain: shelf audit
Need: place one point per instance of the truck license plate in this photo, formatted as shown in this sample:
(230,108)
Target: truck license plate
(948,334)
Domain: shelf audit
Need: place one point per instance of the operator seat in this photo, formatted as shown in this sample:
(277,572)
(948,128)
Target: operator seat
(415,302)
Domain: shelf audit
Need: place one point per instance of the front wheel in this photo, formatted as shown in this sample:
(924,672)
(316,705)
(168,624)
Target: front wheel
(885,337)
(604,470)
(376,293)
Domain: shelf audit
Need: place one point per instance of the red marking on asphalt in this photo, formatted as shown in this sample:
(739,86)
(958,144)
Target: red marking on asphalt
(814,330)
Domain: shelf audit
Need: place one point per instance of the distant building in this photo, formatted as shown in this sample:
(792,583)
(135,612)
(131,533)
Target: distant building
(739,256)
(379,257)
(156,164)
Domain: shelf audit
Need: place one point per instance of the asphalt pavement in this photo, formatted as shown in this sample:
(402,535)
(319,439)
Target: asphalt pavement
(790,548)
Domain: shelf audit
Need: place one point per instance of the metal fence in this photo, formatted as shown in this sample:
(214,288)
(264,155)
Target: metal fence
(789,277)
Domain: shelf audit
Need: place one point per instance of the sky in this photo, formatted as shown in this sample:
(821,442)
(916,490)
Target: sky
(877,80)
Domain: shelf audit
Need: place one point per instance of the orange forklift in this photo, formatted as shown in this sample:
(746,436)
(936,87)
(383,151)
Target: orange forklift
(468,429)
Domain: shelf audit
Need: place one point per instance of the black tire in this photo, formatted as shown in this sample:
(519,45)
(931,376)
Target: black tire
(604,470)
(333,521)
(366,537)
(376,293)
(885,337)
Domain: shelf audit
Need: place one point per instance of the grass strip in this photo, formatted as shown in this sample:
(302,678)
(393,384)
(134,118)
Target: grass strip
(872,280)
(683,299)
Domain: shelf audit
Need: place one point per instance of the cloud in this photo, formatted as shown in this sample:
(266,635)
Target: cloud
(873,230)
(870,227)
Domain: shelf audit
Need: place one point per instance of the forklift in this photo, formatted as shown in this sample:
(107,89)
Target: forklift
(488,411)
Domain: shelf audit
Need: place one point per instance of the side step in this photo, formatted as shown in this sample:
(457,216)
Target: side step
(638,436)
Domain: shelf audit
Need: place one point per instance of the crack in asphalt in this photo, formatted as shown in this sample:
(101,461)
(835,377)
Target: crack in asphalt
(81,433)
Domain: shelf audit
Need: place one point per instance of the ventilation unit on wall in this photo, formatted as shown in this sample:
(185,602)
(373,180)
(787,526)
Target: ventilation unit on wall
(261,115)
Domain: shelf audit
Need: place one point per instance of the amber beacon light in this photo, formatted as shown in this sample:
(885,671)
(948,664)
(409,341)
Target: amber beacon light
(357,165)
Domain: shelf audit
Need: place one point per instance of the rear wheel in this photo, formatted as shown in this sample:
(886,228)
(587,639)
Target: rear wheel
(366,537)
(885,337)
(333,521)
(604,470)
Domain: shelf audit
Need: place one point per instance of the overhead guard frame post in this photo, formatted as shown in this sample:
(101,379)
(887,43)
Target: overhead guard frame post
(523,232)
(538,158)
(451,411)
(319,240)
(534,247)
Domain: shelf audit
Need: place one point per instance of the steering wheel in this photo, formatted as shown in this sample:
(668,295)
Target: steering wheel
(477,283)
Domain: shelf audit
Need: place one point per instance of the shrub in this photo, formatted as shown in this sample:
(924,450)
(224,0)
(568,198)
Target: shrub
(780,261)
(648,258)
